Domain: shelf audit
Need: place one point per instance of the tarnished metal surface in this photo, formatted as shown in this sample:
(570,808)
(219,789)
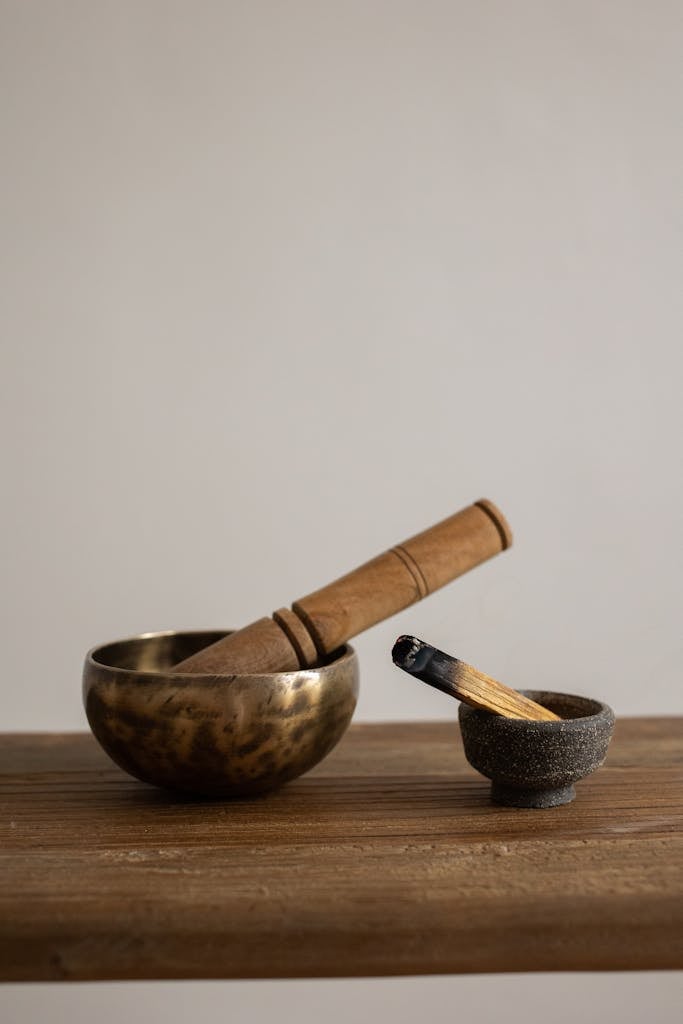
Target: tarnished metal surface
(223,735)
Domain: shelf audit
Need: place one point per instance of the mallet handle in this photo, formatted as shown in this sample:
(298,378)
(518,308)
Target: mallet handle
(324,620)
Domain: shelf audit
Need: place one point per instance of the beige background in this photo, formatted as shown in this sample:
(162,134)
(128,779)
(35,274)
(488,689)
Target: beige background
(286,282)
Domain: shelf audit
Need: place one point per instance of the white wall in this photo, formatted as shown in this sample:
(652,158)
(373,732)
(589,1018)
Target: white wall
(286,282)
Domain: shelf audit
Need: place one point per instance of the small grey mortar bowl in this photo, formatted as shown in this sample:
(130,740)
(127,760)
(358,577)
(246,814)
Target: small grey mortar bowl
(213,735)
(535,764)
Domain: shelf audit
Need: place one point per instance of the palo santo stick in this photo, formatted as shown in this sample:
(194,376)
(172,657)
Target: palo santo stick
(468,684)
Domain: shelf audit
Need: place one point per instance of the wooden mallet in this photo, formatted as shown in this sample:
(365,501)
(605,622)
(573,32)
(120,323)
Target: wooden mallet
(319,624)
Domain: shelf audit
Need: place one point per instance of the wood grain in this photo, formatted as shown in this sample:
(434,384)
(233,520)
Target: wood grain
(481,691)
(464,682)
(386,859)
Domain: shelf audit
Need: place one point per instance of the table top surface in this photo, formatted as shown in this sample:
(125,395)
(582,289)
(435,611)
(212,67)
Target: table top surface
(388,858)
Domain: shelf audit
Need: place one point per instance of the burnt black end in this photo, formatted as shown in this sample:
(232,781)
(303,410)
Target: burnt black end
(411,654)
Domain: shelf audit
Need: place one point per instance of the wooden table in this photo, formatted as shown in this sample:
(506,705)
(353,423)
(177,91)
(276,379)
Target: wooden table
(387,859)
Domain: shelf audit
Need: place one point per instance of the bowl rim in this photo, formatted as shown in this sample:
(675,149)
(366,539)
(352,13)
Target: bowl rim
(346,654)
(604,713)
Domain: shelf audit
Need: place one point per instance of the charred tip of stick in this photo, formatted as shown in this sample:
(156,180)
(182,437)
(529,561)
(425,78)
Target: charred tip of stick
(411,654)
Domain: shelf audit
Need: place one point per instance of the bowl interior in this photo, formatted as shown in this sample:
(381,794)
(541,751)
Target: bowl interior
(567,705)
(159,652)
(154,652)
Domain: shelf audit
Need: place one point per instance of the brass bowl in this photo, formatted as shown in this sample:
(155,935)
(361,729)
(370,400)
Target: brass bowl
(215,735)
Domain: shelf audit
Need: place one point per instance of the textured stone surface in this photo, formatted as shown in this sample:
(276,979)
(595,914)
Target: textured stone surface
(535,764)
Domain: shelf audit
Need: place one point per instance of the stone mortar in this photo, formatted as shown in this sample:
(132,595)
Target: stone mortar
(535,764)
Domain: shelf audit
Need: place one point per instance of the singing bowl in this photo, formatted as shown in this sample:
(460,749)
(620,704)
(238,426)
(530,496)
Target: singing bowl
(213,735)
(535,764)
